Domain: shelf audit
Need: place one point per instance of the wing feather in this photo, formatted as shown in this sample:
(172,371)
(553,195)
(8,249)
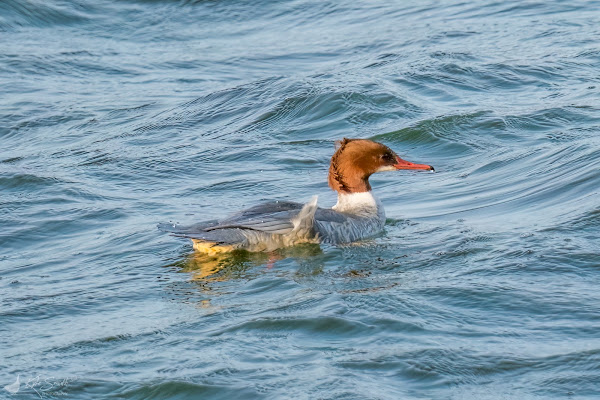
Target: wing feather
(272,217)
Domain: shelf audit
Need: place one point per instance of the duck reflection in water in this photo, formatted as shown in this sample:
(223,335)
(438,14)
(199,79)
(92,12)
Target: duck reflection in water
(238,264)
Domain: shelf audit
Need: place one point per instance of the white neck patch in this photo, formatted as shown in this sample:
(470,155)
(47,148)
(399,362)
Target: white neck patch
(356,203)
(386,168)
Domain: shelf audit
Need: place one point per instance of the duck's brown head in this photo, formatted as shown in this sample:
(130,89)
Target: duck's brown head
(356,159)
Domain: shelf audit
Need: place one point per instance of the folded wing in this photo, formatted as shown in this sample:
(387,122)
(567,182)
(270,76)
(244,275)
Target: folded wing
(275,217)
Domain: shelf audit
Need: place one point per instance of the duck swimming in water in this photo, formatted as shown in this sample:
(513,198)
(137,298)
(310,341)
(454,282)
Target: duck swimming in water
(275,224)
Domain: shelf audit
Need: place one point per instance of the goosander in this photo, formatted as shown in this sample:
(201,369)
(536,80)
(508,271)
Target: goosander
(272,225)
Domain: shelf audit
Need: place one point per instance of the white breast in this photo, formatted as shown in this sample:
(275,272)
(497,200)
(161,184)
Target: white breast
(363,203)
(363,217)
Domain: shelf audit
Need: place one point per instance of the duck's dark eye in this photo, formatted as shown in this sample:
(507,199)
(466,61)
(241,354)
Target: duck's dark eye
(388,157)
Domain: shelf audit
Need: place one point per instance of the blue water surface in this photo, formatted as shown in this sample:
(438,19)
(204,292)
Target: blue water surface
(118,115)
